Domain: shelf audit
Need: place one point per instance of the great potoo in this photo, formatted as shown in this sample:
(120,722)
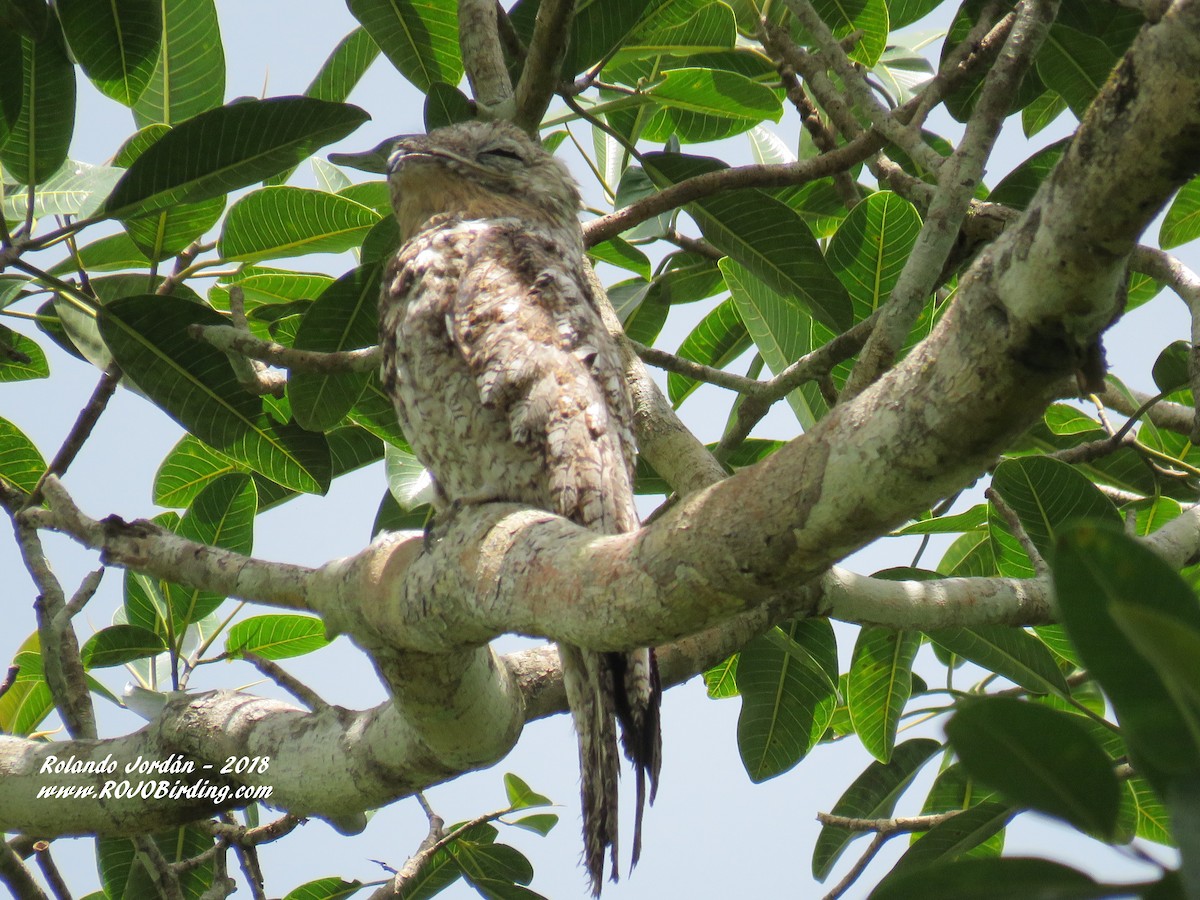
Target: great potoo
(509,388)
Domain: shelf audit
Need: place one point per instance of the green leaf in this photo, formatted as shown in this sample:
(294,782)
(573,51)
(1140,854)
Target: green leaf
(1047,495)
(407,478)
(123,871)
(330,888)
(1182,221)
(717,94)
(420,39)
(276,636)
(1041,112)
(1171,368)
(274,222)
(188,469)
(1096,569)
(222,515)
(76,189)
(994,879)
(345,67)
(952,838)
(119,644)
(764,236)
(446,105)
(344,317)
(37,142)
(28,702)
(721,680)
(872,795)
(541,823)
(29,18)
(117,44)
(1168,644)
(973,519)
(194,384)
(871,247)
(189,76)
(623,255)
(718,339)
(21,465)
(228,148)
(879,685)
(20,358)
(868,17)
(1075,65)
(787,697)
(1009,652)
(1017,188)
(781,329)
(117,251)
(1037,757)
(521,795)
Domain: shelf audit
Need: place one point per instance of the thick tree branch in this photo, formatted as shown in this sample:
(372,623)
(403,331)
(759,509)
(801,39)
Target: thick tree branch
(543,61)
(957,179)
(483,58)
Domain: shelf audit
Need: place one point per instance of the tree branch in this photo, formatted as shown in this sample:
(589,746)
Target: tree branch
(483,58)
(543,62)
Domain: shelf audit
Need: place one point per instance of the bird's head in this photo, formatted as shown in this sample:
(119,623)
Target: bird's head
(479,170)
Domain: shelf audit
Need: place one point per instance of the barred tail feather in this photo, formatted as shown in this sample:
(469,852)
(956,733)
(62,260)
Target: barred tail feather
(588,678)
(641,734)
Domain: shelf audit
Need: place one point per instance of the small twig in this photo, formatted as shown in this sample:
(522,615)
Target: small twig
(50,871)
(10,678)
(85,422)
(288,682)
(858,868)
(184,267)
(1013,521)
(60,647)
(701,186)
(86,590)
(413,865)
(543,62)
(232,833)
(15,874)
(231,340)
(158,868)
(887,827)
(822,137)
(248,861)
(697,371)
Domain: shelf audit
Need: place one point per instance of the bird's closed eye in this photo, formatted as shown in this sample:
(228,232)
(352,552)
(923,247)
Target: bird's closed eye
(503,153)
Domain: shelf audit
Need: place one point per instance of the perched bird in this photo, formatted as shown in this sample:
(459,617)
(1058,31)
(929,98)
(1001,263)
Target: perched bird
(509,388)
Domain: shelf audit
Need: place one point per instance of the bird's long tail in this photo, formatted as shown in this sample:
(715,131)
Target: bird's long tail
(602,689)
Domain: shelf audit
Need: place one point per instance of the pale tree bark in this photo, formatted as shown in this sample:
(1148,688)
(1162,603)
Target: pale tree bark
(730,558)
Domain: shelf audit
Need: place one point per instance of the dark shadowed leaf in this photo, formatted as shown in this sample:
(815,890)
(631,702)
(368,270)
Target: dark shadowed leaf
(1096,570)
(1037,757)
(879,685)
(119,644)
(788,696)
(195,385)
(420,39)
(343,318)
(1010,652)
(227,148)
(117,44)
(872,795)
(222,515)
(37,142)
(994,879)
(189,76)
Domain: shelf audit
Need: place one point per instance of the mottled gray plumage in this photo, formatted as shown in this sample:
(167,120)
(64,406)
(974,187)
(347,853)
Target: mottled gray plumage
(509,388)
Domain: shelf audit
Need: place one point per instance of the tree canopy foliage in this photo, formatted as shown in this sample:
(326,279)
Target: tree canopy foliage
(811,176)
